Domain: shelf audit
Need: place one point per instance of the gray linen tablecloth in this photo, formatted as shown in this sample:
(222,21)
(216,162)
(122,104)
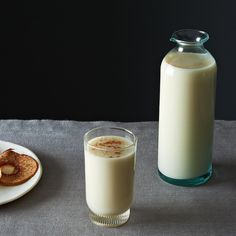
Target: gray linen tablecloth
(56,206)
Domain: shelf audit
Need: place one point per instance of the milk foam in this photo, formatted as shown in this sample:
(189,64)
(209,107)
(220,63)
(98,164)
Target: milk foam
(109,146)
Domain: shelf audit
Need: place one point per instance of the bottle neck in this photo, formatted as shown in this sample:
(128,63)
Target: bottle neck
(193,47)
(190,40)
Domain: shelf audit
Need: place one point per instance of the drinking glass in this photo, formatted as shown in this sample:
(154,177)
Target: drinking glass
(110,156)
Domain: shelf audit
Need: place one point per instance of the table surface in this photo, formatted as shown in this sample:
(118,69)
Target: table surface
(56,206)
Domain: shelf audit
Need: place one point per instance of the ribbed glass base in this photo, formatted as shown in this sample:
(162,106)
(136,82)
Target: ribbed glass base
(109,221)
(187,182)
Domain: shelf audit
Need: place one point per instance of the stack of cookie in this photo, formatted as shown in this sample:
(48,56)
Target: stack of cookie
(16,168)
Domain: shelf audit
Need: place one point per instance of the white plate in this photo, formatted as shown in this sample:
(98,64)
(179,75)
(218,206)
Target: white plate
(11,193)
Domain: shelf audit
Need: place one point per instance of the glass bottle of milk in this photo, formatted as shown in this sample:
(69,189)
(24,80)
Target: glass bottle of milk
(186,111)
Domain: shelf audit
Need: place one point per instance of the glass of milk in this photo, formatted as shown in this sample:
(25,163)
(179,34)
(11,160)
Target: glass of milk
(110,155)
(186,111)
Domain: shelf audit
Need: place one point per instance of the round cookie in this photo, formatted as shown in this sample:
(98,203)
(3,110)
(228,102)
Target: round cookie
(27,167)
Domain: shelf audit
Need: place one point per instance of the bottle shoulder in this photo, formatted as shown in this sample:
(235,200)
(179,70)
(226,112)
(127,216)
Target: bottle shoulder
(189,60)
